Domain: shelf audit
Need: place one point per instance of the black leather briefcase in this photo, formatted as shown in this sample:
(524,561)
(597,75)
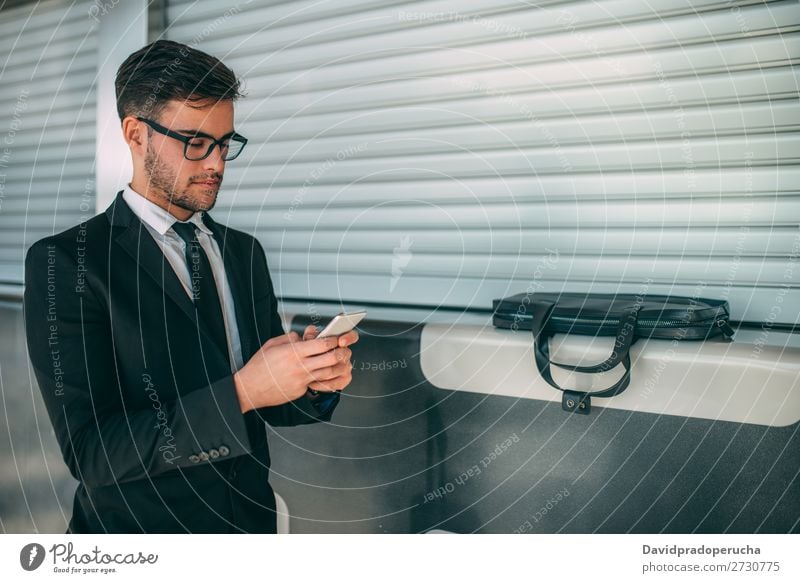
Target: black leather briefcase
(628,317)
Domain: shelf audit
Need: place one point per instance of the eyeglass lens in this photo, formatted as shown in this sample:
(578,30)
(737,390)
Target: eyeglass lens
(199,148)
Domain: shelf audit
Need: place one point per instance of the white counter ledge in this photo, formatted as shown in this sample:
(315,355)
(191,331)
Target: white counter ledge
(754,379)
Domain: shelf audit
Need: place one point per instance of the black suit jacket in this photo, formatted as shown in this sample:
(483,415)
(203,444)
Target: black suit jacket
(149,426)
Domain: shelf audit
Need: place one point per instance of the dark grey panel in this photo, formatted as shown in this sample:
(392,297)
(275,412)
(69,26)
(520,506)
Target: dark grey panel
(404,456)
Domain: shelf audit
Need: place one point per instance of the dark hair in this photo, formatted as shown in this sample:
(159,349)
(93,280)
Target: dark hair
(166,70)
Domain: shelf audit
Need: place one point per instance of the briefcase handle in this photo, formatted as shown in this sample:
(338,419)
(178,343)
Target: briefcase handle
(624,339)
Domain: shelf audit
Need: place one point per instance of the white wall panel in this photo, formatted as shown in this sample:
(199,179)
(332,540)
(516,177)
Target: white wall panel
(439,152)
(47,124)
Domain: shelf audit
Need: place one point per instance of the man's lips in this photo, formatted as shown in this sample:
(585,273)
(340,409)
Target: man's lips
(209,182)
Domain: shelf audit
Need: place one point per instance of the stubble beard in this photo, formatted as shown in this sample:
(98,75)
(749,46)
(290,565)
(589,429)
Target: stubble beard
(162,179)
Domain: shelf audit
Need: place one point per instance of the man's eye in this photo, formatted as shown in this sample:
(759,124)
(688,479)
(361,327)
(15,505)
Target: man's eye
(197,144)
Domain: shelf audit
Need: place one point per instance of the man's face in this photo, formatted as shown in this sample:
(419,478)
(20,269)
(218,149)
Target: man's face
(190,185)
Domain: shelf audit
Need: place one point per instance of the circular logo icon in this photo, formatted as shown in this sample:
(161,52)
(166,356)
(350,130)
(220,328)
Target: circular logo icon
(31,556)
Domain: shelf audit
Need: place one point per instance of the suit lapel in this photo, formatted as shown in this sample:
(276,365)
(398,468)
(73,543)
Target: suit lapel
(135,239)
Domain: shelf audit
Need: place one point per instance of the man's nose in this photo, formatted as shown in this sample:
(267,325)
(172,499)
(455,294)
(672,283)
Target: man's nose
(214,162)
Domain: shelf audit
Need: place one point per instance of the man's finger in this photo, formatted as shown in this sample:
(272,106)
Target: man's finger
(348,339)
(332,372)
(310,332)
(336,384)
(317,346)
(283,339)
(327,359)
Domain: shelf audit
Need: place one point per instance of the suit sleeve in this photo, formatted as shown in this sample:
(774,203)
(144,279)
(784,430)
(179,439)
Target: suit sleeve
(303,410)
(71,350)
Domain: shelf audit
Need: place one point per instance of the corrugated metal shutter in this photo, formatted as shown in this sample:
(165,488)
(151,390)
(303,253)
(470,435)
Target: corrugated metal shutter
(47,124)
(448,153)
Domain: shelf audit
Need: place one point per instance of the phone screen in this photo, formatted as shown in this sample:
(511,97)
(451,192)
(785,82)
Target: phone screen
(342,324)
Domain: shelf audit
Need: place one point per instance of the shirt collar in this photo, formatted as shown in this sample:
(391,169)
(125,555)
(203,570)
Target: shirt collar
(159,219)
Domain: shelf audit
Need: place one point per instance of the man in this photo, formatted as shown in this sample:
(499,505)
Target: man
(154,332)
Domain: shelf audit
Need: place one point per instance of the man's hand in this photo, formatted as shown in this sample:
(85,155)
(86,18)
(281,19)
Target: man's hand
(285,366)
(340,375)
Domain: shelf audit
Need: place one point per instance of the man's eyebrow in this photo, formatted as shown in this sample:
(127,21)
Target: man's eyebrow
(200,134)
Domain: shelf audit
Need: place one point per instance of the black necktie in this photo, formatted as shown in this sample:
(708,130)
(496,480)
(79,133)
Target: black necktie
(202,285)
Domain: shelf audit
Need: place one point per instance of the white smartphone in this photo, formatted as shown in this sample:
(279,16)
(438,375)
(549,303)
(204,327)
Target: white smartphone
(342,324)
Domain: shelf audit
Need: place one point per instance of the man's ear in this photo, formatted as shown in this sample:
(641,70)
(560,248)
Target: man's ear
(134,134)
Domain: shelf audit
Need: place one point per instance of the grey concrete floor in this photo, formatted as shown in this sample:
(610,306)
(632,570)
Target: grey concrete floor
(36,488)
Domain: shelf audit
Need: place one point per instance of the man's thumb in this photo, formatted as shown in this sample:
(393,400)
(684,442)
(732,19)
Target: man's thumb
(283,339)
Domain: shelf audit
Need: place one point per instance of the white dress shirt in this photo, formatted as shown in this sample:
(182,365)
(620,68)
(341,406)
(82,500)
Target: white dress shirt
(159,223)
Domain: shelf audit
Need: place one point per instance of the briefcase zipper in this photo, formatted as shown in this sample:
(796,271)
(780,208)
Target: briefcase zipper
(645,323)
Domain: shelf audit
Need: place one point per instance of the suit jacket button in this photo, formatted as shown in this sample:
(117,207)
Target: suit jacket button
(194,459)
(223,450)
(213,453)
(203,456)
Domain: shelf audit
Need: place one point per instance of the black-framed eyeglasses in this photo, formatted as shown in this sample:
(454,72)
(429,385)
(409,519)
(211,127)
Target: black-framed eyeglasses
(199,146)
